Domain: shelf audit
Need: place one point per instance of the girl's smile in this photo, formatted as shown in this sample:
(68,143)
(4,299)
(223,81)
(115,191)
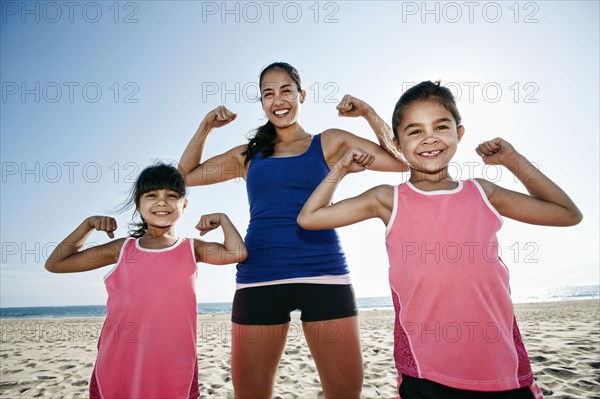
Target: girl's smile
(428,138)
(161,213)
(430,154)
(161,208)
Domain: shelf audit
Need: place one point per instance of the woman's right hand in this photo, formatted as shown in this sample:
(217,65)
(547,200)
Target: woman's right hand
(103,223)
(219,117)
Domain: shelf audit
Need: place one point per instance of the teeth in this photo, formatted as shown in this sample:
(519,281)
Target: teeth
(281,111)
(430,153)
(161,213)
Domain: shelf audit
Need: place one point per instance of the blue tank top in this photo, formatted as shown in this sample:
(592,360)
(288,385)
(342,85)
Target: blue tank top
(278,248)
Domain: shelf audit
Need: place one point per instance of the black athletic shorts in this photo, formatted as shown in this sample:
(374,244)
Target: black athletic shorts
(272,304)
(417,388)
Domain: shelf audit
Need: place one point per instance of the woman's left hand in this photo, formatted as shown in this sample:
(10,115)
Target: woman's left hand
(352,107)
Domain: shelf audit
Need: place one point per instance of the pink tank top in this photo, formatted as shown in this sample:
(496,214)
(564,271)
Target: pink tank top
(147,348)
(455,323)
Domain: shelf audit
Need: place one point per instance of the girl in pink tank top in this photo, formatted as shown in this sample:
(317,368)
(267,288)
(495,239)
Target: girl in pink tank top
(455,333)
(147,347)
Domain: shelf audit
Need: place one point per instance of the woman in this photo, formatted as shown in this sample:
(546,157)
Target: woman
(288,267)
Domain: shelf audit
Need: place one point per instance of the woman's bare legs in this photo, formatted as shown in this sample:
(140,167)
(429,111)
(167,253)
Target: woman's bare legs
(255,354)
(335,346)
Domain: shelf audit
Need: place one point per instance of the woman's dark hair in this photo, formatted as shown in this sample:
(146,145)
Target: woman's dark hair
(156,177)
(263,140)
(424,91)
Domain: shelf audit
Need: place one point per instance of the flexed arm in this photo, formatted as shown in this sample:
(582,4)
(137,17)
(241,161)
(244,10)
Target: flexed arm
(353,107)
(318,211)
(547,204)
(68,256)
(230,251)
(337,142)
(226,166)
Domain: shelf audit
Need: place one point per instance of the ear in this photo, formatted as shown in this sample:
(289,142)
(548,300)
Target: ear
(302,96)
(460,131)
(185,204)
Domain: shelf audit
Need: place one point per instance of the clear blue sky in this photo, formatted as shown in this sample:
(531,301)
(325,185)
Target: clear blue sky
(92,92)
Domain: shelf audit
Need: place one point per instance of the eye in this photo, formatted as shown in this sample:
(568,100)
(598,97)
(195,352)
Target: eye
(414,132)
(174,195)
(268,94)
(149,195)
(443,127)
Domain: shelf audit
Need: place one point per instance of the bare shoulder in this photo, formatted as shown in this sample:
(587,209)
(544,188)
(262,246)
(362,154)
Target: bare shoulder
(381,200)
(198,243)
(344,140)
(488,187)
(117,244)
(335,142)
(335,134)
(383,190)
(199,247)
(334,137)
(107,253)
(238,152)
(384,194)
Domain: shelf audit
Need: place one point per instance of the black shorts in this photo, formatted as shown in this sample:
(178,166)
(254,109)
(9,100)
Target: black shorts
(272,304)
(417,388)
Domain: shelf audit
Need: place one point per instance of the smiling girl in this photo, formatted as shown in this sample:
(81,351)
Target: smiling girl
(455,333)
(147,347)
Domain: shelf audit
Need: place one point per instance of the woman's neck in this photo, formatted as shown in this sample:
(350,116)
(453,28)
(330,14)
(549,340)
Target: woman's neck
(290,134)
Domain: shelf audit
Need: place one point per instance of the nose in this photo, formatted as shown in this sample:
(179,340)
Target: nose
(278,98)
(161,200)
(430,137)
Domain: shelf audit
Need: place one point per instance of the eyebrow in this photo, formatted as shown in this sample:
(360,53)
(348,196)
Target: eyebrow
(159,189)
(281,87)
(409,126)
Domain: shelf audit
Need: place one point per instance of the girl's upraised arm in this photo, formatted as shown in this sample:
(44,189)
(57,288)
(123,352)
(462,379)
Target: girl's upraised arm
(388,158)
(226,166)
(337,142)
(232,250)
(318,213)
(68,256)
(547,204)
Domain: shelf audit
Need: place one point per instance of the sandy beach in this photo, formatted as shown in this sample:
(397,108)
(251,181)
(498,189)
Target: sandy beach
(53,358)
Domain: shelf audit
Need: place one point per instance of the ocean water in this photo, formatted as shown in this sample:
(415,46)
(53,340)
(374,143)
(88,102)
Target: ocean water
(544,295)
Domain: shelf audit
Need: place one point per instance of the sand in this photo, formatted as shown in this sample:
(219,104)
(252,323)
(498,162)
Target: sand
(53,358)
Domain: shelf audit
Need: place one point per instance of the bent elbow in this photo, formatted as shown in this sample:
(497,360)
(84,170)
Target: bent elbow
(577,217)
(242,254)
(304,222)
(571,219)
(51,266)
(189,180)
